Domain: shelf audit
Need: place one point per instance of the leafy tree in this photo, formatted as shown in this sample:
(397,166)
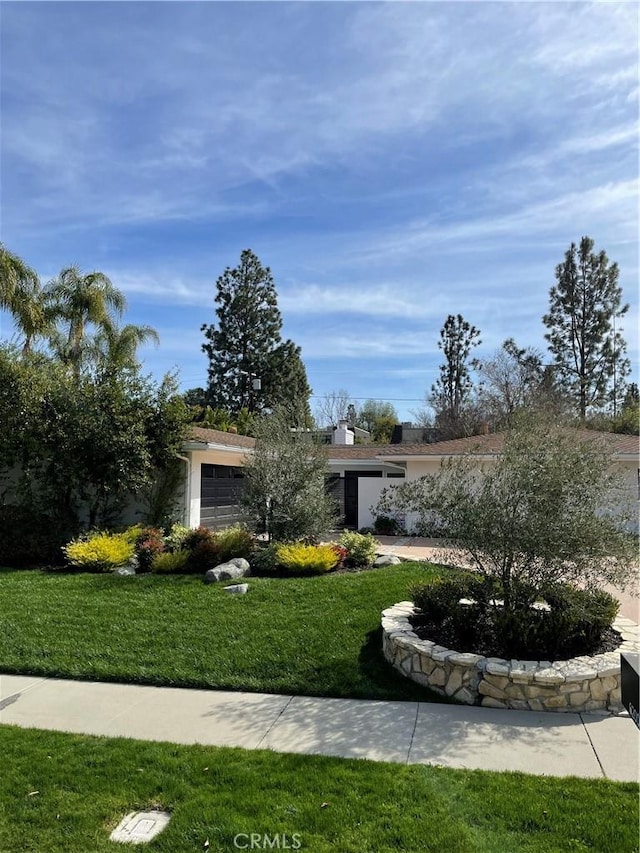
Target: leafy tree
(79,446)
(547,511)
(379,418)
(245,345)
(195,397)
(81,300)
(589,352)
(452,389)
(285,491)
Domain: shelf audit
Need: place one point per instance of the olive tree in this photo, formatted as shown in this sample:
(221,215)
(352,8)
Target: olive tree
(548,510)
(285,494)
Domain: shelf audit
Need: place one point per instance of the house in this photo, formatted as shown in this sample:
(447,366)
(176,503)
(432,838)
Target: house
(357,473)
(214,478)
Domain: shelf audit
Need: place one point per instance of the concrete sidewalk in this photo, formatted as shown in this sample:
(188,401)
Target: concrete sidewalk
(406,732)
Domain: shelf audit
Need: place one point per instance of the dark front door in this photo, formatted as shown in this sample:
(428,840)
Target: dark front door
(351,494)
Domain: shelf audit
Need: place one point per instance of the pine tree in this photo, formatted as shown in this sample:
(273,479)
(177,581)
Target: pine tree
(453,387)
(589,352)
(245,344)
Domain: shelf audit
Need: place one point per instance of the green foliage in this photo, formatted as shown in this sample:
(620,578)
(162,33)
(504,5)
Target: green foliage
(451,391)
(31,537)
(300,559)
(360,547)
(379,418)
(81,446)
(170,562)
(245,344)
(385,525)
(264,560)
(99,552)
(577,618)
(550,509)
(555,623)
(176,537)
(284,491)
(589,352)
(233,542)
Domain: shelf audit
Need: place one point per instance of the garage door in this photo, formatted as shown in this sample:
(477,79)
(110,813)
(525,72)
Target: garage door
(220,490)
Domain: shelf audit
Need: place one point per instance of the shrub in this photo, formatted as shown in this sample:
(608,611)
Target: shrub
(170,562)
(340,552)
(99,552)
(298,558)
(386,525)
(148,545)
(234,542)
(205,555)
(195,536)
(577,618)
(360,547)
(176,537)
(572,625)
(264,560)
(131,534)
(30,538)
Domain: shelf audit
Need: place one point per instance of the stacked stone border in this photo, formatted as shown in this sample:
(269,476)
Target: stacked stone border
(574,685)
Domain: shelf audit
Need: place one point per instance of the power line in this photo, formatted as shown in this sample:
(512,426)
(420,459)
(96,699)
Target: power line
(377,399)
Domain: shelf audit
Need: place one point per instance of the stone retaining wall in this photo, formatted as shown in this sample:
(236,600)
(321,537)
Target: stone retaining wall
(578,684)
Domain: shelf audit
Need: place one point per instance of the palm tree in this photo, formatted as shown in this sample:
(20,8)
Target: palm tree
(22,295)
(80,300)
(117,348)
(15,277)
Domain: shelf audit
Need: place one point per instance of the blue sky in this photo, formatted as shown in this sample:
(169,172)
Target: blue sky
(391,162)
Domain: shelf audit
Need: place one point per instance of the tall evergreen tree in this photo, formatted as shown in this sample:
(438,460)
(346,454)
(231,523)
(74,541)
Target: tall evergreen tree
(245,344)
(584,304)
(285,383)
(453,387)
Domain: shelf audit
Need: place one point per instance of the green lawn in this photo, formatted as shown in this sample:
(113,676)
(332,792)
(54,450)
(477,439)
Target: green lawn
(317,636)
(63,793)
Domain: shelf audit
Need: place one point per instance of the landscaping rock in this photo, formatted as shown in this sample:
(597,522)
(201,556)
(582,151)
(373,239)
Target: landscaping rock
(236,568)
(387,560)
(237,588)
(124,571)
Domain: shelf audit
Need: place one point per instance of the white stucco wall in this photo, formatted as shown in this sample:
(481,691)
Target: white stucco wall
(369,490)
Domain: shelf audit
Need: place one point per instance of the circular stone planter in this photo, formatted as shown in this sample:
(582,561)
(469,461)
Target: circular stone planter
(578,684)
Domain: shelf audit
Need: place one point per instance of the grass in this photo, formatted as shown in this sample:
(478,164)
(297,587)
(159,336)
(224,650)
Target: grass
(64,794)
(316,636)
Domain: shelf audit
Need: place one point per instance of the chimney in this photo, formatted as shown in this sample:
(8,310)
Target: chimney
(342,434)
(485,428)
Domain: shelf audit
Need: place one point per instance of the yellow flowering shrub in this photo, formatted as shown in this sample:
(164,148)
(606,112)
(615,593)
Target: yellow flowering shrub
(99,552)
(306,559)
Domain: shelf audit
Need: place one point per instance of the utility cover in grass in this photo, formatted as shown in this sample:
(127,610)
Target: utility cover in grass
(140,827)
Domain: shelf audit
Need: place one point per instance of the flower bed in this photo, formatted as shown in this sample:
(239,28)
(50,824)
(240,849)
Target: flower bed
(578,684)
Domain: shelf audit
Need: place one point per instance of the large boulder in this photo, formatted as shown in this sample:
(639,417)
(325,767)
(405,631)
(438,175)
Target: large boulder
(238,567)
